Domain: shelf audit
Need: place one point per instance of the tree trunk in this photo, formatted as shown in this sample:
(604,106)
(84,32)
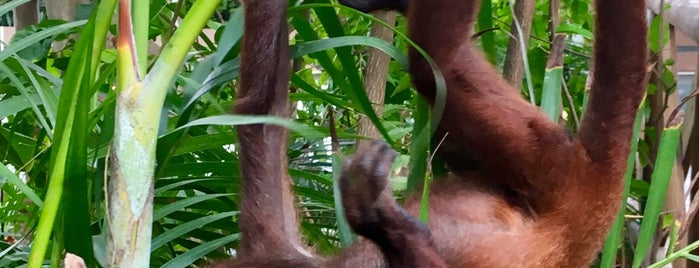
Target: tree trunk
(62,9)
(514,64)
(376,72)
(26,14)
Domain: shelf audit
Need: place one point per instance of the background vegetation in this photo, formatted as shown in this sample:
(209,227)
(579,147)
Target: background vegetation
(197,176)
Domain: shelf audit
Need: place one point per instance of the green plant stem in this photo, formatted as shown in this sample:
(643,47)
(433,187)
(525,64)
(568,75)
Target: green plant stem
(141,19)
(672,257)
(139,105)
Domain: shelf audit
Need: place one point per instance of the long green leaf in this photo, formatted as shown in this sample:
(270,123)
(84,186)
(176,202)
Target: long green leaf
(57,82)
(551,94)
(203,73)
(68,155)
(419,154)
(19,85)
(575,29)
(236,120)
(36,37)
(420,145)
(49,100)
(314,46)
(13,105)
(318,93)
(182,229)
(7,175)
(192,255)
(660,179)
(231,35)
(11,5)
(177,184)
(181,204)
(345,233)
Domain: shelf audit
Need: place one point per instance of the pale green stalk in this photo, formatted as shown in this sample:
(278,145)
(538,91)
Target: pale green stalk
(139,105)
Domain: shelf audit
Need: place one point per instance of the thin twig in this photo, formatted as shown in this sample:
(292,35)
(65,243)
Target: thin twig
(675,111)
(334,141)
(572,105)
(436,148)
(540,39)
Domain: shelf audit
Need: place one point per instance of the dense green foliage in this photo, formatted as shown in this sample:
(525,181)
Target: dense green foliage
(197,175)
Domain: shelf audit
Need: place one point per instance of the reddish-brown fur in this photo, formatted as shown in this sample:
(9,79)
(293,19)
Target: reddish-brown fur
(538,198)
(267,206)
